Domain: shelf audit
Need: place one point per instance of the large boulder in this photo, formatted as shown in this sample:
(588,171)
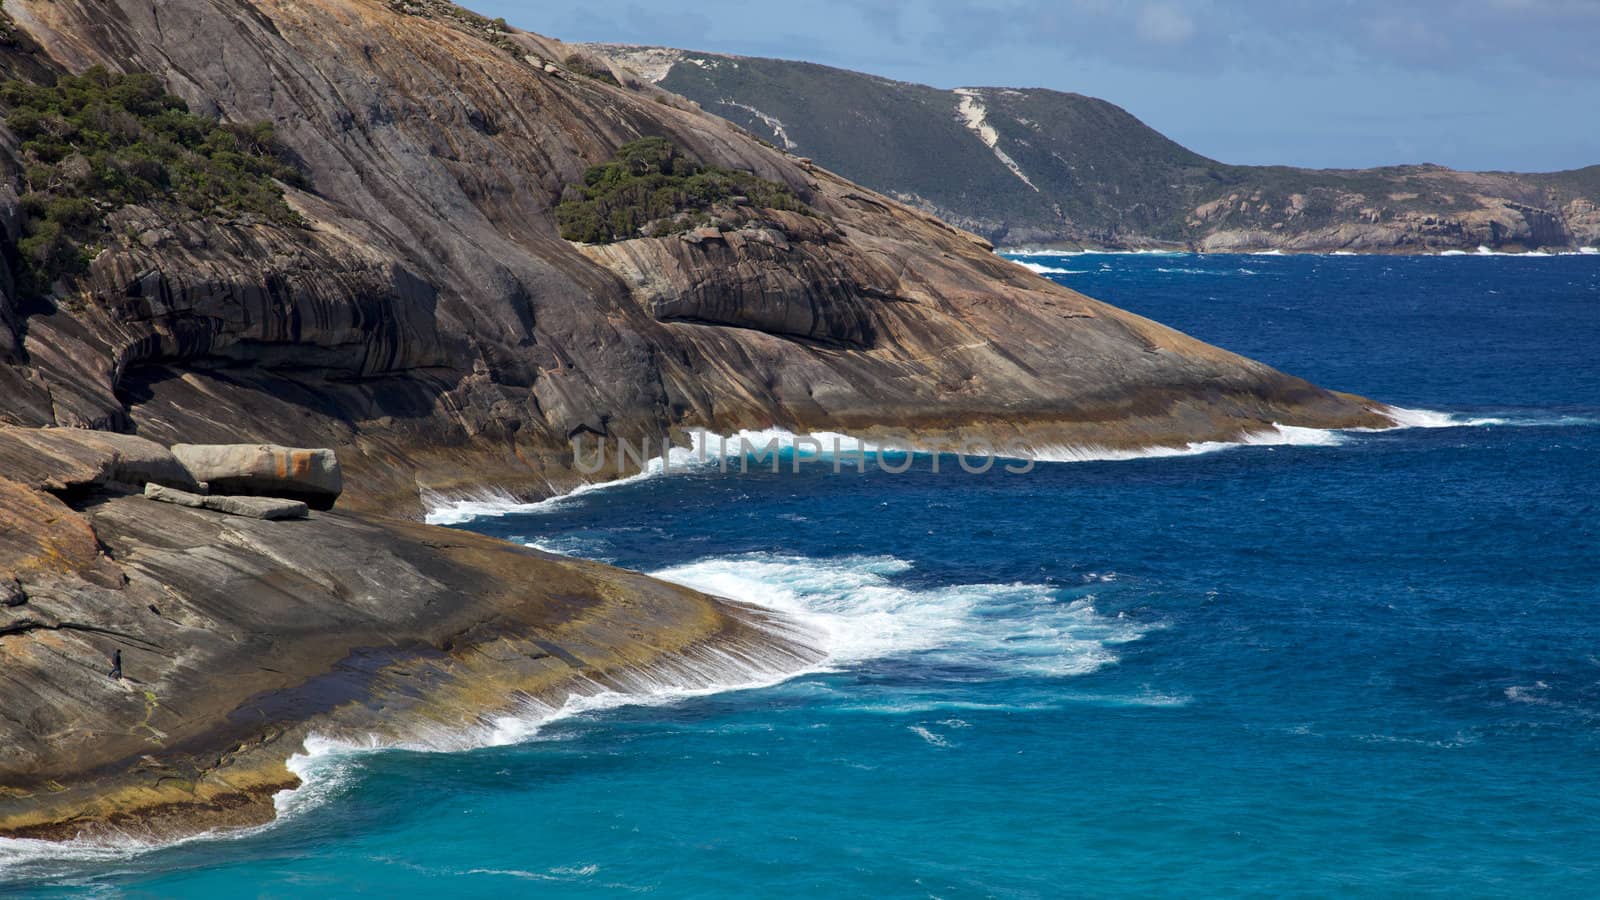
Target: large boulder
(265,470)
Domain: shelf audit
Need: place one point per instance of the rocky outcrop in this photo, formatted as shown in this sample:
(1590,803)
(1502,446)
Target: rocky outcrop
(312,475)
(781,273)
(74,459)
(1412,209)
(430,324)
(240,636)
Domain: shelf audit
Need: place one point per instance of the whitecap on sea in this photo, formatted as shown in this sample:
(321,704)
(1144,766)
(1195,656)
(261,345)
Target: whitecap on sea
(863,613)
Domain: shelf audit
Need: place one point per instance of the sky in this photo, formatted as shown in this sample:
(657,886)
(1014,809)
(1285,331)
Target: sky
(1473,84)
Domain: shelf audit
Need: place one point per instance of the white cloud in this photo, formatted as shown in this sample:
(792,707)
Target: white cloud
(1165,23)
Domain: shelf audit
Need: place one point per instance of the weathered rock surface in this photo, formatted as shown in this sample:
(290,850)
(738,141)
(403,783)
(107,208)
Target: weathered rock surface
(239,636)
(174,496)
(457,356)
(269,508)
(262,469)
(69,458)
(781,273)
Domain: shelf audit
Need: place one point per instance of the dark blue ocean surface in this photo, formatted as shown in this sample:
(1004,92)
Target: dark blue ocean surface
(1367,667)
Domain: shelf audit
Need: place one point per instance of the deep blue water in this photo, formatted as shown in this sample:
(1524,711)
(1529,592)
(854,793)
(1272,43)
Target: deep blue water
(1366,668)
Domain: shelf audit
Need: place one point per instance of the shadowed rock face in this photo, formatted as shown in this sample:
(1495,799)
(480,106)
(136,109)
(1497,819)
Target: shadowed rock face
(432,325)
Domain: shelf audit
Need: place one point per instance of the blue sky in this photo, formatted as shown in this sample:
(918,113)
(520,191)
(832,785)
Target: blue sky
(1478,84)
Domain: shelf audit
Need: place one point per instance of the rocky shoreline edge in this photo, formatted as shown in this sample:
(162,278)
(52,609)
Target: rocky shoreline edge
(240,637)
(237,637)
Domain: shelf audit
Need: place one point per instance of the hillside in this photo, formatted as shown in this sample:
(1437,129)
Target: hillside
(1036,166)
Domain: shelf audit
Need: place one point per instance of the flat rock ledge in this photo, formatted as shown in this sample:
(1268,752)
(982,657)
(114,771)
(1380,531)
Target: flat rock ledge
(270,508)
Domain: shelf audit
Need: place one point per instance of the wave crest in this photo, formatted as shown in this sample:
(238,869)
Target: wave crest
(862,614)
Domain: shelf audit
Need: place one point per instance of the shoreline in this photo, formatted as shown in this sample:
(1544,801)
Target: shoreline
(1028,250)
(456,631)
(244,639)
(449,510)
(474,701)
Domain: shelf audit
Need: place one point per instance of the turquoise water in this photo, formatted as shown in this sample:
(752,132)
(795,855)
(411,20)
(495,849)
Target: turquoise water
(1365,666)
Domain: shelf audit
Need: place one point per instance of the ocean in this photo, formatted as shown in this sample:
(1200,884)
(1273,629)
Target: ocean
(1360,664)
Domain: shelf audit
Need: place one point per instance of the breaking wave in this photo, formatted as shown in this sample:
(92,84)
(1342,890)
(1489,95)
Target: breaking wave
(849,608)
(1523,254)
(1428,418)
(327,765)
(1275,436)
(1041,269)
(862,613)
(708,452)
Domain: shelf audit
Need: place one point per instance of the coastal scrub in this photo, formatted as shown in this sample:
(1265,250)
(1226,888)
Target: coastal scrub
(95,143)
(651,189)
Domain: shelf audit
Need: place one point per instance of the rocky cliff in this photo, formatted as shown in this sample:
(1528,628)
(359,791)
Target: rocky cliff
(429,320)
(422,316)
(1036,166)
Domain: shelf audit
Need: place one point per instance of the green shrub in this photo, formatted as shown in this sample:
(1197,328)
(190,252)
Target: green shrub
(94,143)
(650,187)
(590,68)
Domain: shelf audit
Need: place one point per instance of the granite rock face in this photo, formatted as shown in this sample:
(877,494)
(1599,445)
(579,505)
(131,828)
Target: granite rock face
(65,459)
(431,325)
(239,636)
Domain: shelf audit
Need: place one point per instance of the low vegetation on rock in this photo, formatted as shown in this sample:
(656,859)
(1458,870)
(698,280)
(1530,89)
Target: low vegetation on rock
(95,143)
(651,189)
(589,67)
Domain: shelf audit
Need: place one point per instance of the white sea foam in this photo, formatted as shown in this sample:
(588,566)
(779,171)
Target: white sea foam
(1531,694)
(1427,418)
(1041,269)
(1191,270)
(1028,252)
(1275,436)
(326,765)
(37,861)
(705,452)
(493,504)
(710,452)
(849,607)
(1525,254)
(861,613)
(1421,418)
